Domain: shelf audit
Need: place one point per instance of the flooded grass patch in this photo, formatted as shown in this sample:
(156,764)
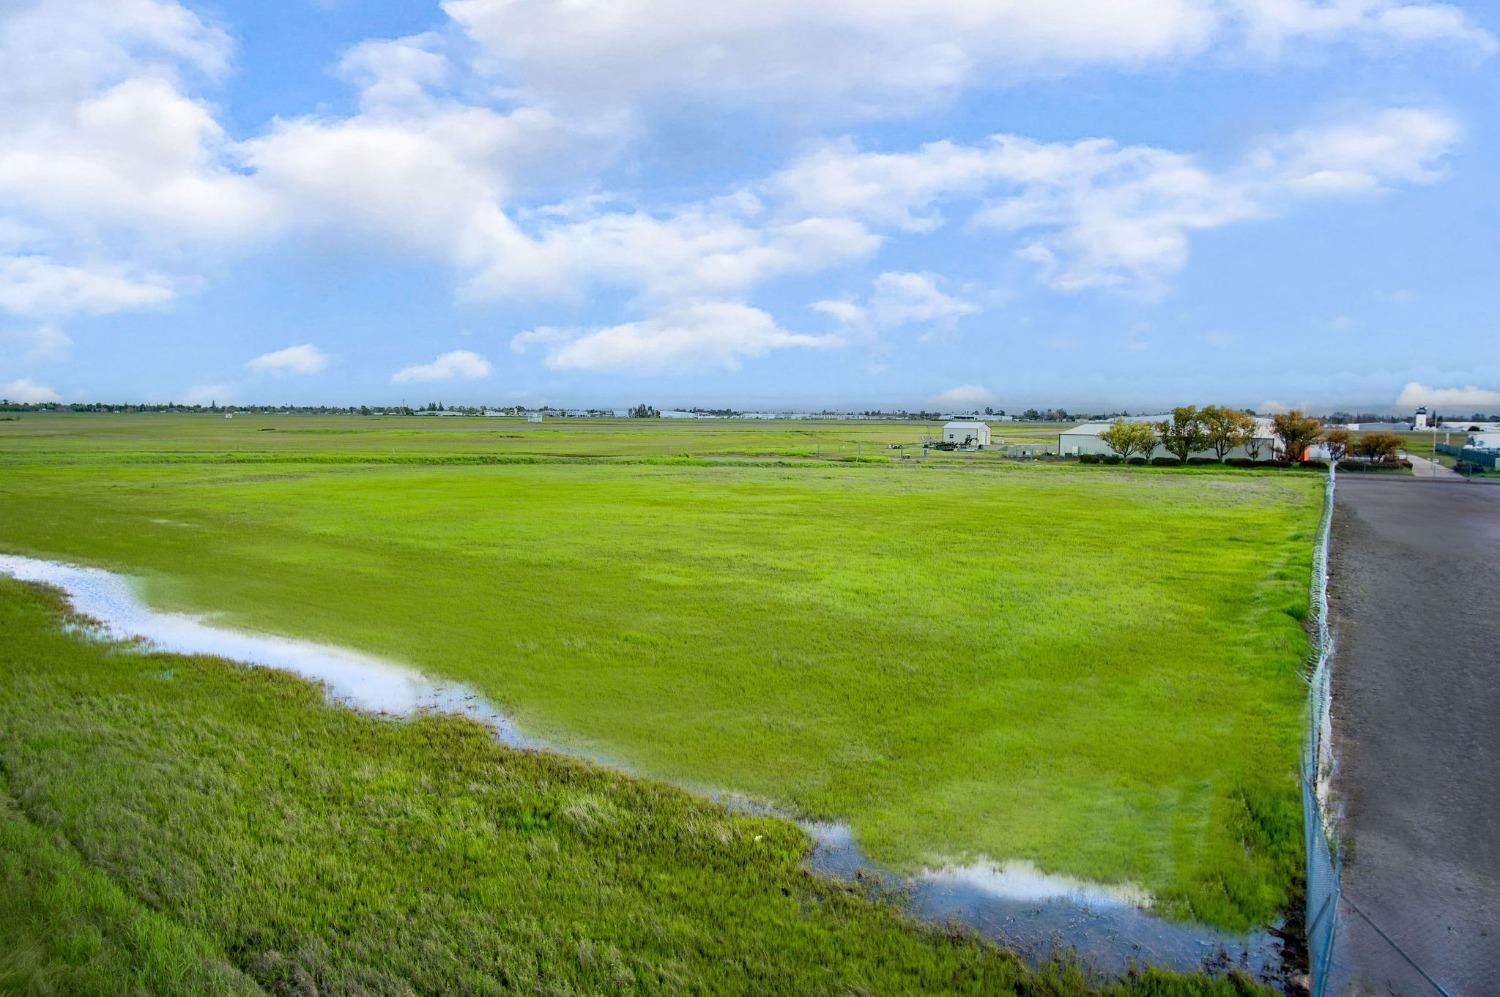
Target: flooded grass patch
(230,832)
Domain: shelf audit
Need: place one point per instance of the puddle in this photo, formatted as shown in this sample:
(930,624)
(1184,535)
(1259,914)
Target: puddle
(1013,902)
(1036,913)
(359,680)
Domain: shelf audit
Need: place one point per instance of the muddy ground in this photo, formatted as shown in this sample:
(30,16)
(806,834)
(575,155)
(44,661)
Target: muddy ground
(1415,595)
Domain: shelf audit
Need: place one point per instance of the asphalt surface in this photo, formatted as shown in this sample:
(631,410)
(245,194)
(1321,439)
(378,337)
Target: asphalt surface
(1414,590)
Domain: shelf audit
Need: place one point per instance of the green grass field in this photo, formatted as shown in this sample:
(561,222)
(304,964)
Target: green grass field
(966,658)
(185,825)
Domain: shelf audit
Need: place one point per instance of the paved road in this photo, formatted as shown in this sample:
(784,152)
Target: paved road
(1424,468)
(1415,594)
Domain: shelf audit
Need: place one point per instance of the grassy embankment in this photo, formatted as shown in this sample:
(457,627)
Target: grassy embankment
(1094,671)
(186,825)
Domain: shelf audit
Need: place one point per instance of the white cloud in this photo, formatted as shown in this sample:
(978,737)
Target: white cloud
(963,396)
(883,56)
(106,165)
(1220,340)
(1396,145)
(845,311)
(458,365)
(915,299)
(402,72)
(27,391)
(37,286)
(138,157)
(703,251)
(1094,213)
(116,178)
(57,52)
(704,335)
(304,359)
(1271,24)
(900,299)
(1468,399)
(43,344)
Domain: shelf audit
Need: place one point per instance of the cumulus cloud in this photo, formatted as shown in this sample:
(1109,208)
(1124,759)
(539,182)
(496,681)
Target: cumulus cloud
(304,359)
(43,344)
(138,156)
(889,56)
(1396,145)
(458,365)
(36,286)
(27,391)
(106,163)
(1094,213)
(915,299)
(899,299)
(116,177)
(1469,398)
(704,335)
(1271,24)
(963,396)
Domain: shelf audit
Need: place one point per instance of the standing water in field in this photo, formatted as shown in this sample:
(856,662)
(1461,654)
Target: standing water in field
(1014,903)
(351,678)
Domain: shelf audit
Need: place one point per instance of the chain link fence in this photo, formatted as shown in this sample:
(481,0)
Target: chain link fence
(1320,834)
(1336,926)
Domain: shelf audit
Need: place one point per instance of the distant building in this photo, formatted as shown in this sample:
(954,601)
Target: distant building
(967,433)
(1085,438)
(1379,427)
(1028,450)
(1419,421)
(1483,441)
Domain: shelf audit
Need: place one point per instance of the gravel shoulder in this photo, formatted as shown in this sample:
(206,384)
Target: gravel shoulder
(1415,595)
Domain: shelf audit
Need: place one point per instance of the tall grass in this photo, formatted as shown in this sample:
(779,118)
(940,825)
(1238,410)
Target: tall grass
(177,825)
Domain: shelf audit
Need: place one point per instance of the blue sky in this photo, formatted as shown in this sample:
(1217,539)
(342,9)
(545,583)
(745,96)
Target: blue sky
(907,203)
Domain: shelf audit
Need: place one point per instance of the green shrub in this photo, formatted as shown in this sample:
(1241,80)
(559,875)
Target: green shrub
(1238,462)
(1165,462)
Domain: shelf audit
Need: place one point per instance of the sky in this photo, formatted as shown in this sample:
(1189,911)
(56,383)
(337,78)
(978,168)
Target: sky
(1108,204)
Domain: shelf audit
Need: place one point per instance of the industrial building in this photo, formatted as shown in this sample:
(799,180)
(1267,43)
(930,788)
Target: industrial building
(1085,439)
(967,433)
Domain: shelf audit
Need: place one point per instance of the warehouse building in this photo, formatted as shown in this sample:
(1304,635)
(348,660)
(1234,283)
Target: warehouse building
(967,433)
(1085,439)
